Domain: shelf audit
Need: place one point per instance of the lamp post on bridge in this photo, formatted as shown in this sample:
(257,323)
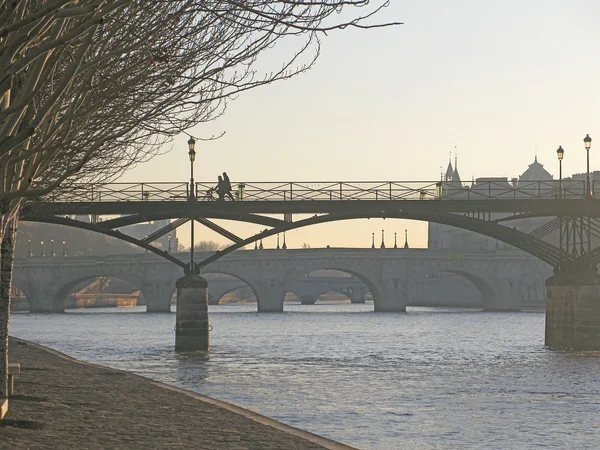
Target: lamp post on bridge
(382,239)
(192,197)
(191,322)
(52,248)
(372,240)
(29,242)
(588,144)
(560,153)
(64,248)
(192,154)
(42,248)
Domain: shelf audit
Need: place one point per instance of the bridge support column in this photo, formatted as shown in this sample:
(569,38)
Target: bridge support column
(392,296)
(573,316)
(269,295)
(508,297)
(45,300)
(191,323)
(157,297)
(308,299)
(358,294)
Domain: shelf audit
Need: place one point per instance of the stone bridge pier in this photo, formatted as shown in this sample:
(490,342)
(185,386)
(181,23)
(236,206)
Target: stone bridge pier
(270,294)
(42,299)
(573,312)
(357,294)
(157,296)
(391,295)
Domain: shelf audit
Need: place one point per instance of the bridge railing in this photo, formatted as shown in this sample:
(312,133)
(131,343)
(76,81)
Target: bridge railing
(482,189)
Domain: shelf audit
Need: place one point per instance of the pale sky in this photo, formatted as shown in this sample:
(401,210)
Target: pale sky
(498,80)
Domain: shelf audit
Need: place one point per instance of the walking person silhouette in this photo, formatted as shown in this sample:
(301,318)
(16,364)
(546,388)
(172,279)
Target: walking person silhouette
(220,188)
(227,186)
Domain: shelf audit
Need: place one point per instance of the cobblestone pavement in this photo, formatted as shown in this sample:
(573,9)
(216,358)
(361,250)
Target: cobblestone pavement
(60,403)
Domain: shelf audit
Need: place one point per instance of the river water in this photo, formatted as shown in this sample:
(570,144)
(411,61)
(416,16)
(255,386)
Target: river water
(430,378)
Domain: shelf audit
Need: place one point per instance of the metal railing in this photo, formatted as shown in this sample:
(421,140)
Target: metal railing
(324,191)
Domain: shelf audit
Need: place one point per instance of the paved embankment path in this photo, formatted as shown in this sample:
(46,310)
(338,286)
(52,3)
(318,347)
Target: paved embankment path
(63,403)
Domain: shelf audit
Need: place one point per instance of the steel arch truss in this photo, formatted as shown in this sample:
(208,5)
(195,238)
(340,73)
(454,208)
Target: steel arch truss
(531,243)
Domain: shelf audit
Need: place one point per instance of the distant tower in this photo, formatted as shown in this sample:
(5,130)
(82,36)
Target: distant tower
(449,170)
(455,175)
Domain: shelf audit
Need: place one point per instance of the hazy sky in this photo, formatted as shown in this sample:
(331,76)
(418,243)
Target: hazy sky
(498,80)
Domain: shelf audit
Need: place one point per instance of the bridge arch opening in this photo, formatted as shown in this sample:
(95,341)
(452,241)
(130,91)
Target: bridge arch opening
(19,298)
(444,289)
(331,285)
(97,292)
(487,295)
(226,288)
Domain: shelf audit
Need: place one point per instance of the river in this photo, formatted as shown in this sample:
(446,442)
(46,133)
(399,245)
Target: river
(430,378)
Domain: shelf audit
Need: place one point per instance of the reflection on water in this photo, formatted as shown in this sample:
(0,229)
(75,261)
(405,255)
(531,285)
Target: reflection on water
(431,378)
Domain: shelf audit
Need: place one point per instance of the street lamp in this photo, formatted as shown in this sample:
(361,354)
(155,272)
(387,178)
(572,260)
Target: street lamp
(382,240)
(42,248)
(29,242)
(372,240)
(587,140)
(405,238)
(192,153)
(52,248)
(169,250)
(64,248)
(560,153)
(395,241)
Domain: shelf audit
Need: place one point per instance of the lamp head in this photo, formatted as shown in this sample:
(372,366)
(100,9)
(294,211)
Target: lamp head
(587,140)
(560,152)
(191,147)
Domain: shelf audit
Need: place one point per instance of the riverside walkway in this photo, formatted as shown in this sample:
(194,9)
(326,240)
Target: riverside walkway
(60,402)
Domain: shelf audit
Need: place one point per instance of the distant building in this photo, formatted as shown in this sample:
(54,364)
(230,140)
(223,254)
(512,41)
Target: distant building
(531,183)
(142,230)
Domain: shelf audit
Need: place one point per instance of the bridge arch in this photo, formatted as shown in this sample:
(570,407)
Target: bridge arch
(219,288)
(538,248)
(308,289)
(254,285)
(60,295)
(488,297)
(24,288)
(369,275)
(542,250)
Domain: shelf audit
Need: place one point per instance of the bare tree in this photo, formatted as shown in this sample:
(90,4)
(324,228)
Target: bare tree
(208,246)
(89,88)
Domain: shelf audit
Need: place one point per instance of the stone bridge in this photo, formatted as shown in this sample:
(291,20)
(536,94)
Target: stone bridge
(306,289)
(502,277)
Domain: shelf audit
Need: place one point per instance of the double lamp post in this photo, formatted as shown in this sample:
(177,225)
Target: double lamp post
(560,153)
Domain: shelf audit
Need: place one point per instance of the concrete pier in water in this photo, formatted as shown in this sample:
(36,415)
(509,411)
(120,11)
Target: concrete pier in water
(573,314)
(192,328)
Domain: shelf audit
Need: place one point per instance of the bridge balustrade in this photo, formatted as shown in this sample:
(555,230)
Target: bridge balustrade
(323,191)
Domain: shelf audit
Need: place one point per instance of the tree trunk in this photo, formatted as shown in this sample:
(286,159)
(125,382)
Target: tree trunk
(7,248)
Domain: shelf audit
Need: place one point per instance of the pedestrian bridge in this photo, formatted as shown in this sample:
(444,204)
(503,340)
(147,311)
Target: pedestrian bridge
(568,240)
(502,277)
